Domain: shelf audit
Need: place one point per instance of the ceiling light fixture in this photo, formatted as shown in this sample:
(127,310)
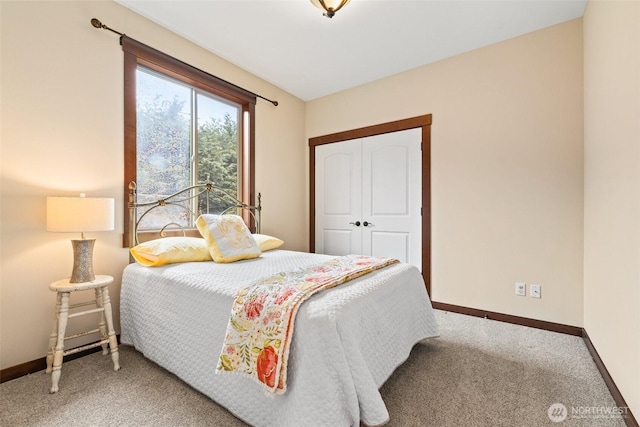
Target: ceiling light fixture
(329,6)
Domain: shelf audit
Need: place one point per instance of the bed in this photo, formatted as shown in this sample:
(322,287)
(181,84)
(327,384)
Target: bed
(347,340)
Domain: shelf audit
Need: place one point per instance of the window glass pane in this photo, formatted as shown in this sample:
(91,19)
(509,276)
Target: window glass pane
(171,156)
(218,147)
(163,141)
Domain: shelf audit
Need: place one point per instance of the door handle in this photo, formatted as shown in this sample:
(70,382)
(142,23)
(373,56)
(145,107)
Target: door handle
(366,224)
(357,223)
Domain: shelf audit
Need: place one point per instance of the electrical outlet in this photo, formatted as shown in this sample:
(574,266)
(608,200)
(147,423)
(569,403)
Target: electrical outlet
(521,289)
(535,291)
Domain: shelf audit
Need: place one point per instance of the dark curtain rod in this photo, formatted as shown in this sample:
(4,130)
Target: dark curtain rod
(97,24)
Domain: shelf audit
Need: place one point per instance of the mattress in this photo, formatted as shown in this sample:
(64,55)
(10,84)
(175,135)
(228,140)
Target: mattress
(347,340)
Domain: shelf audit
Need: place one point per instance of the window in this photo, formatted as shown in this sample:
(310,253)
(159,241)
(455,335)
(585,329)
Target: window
(182,127)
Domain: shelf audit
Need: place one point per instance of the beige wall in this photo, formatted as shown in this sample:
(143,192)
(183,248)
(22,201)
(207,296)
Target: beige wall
(612,189)
(507,167)
(62,134)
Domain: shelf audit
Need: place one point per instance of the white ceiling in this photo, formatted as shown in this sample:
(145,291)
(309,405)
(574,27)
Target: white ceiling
(291,45)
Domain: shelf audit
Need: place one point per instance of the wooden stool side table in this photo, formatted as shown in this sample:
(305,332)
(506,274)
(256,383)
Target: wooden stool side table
(56,351)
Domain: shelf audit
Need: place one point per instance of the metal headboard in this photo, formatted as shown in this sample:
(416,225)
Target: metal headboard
(195,200)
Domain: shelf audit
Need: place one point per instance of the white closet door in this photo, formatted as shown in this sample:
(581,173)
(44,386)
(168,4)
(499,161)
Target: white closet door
(392,196)
(338,198)
(369,197)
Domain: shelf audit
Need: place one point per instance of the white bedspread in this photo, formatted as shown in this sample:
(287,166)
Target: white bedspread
(347,340)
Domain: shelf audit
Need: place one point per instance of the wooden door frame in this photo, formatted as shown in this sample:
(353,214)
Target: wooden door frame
(423,122)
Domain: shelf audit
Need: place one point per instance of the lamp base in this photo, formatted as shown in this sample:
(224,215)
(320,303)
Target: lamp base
(82,261)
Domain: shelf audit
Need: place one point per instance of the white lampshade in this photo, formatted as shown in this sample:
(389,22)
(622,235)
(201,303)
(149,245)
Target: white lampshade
(80,214)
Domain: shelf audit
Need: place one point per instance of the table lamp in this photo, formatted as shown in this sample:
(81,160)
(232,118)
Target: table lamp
(80,214)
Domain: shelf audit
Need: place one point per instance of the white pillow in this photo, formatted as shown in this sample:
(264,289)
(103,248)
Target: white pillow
(227,237)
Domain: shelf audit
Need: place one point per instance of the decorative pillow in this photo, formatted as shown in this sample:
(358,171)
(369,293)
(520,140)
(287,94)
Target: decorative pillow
(169,250)
(227,237)
(266,243)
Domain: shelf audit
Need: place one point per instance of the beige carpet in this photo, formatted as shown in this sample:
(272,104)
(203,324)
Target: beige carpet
(477,373)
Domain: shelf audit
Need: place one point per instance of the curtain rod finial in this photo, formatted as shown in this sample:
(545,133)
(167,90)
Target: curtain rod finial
(96,23)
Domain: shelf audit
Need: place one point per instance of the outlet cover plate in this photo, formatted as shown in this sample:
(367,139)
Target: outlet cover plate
(535,291)
(521,289)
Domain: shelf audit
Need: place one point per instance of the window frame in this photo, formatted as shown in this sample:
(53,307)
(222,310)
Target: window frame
(136,53)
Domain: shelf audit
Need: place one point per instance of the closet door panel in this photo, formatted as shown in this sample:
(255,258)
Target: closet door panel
(388,180)
(390,244)
(338,198)
(338,242)
(391,195)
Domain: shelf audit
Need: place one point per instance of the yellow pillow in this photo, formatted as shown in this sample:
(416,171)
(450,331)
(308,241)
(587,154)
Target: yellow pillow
(227,237)
(266,243)
(169,250)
